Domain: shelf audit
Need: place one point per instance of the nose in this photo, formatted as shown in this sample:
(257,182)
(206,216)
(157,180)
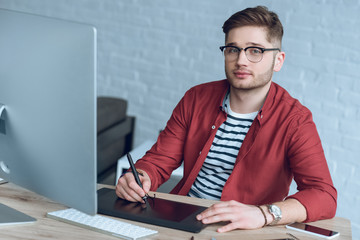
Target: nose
(242,59)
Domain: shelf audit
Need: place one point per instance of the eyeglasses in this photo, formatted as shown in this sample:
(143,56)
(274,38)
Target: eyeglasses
(253,54)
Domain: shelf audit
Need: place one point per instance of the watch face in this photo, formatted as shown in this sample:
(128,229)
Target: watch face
(276,211)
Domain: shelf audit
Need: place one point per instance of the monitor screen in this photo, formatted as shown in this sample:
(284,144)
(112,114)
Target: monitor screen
(48,107)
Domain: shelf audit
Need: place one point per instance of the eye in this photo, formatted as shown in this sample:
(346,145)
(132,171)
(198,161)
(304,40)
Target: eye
(232,50)
(254,51)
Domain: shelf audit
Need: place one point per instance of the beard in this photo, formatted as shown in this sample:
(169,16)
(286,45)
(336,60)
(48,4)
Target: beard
(257,81)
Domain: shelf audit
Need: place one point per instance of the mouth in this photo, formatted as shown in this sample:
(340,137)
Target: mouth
(242,74)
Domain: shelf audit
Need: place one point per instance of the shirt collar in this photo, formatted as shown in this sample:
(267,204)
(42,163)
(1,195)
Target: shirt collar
(269,100)
(226,93)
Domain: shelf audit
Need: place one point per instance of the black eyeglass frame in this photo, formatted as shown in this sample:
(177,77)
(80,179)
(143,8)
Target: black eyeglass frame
(260,48)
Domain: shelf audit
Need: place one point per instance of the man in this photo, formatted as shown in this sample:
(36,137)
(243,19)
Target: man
(243,139)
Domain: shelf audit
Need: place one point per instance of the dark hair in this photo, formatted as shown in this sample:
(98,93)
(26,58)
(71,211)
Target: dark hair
(258,16)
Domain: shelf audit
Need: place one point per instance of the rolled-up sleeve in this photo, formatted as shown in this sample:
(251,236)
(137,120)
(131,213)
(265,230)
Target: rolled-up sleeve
(316,191)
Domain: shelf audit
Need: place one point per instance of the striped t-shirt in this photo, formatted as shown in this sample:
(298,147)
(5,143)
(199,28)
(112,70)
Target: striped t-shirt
(221,158)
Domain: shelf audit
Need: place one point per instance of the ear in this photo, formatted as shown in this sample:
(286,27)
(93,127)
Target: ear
(279,61)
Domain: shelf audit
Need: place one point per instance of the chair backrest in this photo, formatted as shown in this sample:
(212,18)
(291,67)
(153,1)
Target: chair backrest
(110,111)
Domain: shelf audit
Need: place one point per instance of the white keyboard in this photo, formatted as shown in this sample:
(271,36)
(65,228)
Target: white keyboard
(101,224)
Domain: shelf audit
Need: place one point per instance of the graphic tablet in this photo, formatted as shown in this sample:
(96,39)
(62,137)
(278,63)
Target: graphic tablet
(157,211)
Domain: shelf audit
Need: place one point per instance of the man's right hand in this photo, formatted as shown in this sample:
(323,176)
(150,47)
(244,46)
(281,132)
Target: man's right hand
(128,189)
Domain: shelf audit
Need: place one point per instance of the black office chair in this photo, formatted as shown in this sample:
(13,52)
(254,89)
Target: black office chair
(115,136)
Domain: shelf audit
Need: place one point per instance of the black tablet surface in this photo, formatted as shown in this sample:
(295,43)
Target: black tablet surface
(157,211)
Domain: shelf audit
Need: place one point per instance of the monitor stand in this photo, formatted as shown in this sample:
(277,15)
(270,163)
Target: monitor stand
(10,216)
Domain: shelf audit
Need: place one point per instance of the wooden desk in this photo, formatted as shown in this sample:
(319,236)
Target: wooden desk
(45,228)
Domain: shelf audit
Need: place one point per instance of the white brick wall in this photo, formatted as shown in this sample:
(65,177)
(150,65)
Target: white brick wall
(151,52)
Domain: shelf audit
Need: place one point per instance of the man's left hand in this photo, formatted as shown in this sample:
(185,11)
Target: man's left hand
(240,216)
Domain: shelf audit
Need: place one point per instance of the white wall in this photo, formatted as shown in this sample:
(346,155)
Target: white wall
(151,52)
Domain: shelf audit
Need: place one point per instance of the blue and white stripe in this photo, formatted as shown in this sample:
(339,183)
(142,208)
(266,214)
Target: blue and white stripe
(221,158)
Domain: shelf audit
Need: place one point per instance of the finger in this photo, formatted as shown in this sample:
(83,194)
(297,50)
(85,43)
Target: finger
(121,192)
(206,213)
(128,189)
(119,187)
(117,191)
(124,195)
(146,185)
(215,209)
(135,191)
(227,228)
(221,217)
(145,181)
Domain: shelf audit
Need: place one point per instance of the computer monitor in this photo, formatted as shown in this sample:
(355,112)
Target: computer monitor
(48,107)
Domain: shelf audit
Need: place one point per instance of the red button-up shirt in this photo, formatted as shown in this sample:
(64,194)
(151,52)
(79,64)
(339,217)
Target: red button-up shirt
(282,144)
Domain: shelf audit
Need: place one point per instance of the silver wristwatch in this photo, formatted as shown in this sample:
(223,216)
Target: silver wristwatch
(276,212)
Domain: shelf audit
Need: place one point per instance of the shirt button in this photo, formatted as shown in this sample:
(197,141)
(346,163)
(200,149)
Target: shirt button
(213,127)
(261,116)
(200,153)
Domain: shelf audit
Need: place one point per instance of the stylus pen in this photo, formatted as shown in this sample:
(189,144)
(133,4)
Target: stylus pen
(135,173)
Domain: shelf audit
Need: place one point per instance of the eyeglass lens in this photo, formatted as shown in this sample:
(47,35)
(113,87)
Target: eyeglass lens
(253,54)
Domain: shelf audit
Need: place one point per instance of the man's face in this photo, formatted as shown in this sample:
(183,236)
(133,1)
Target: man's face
(243,74)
